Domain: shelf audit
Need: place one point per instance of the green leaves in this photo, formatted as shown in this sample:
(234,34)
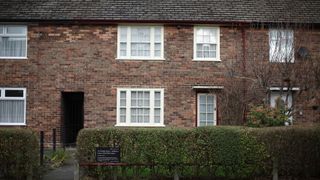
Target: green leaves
(217,151)
(19,153)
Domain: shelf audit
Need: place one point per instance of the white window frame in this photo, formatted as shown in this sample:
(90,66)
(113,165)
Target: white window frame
(128,106)
(285,95)
(214,108)
(2,97)
(152,42)
(15,35)
(195,58)
(271,54)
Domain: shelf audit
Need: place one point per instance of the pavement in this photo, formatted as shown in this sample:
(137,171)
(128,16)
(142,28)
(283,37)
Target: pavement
(65,172)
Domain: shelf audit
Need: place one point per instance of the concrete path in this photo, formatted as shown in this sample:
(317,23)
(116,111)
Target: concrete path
(62,173)
(65,172)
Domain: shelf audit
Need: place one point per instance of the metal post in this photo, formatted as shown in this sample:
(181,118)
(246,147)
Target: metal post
(41,146)
(54,139)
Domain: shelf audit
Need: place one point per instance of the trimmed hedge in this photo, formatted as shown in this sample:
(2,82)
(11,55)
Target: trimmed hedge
(231,152)
(295,149)
(200,152)
(19,153)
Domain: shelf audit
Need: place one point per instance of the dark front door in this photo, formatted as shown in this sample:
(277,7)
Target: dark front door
(72,117)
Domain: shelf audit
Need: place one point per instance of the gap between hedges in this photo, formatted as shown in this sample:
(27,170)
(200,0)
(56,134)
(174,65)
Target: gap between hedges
(232,152)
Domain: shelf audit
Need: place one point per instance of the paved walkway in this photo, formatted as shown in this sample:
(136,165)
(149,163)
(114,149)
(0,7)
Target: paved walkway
(64,172)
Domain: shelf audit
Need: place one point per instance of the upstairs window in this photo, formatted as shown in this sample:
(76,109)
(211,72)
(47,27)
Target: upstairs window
(281,46)
(13,42)
(207,43)
(140,107)
(12,106)
(140,42)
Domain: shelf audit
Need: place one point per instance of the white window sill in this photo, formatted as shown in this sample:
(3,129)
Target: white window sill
(13,124)
(14,58)
(208,60)
(142,59)
(139,125)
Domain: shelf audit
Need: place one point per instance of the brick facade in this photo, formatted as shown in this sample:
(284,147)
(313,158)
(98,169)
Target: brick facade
(82,58)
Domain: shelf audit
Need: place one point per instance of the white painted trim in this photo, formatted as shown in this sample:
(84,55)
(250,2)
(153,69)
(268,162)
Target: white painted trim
(24,98)
(14,58)
(284,88)
(207,87)
(128,54)
(140,58)
(15,35)
(13,124)
(140,125)
(217,59)
(128,106)
(214,108)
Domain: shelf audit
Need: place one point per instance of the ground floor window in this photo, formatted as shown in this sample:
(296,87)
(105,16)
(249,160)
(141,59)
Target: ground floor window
(280,99)
(207,115)
(140,107)
(12,106)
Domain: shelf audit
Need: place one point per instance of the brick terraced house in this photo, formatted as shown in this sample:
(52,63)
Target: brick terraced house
(72,64)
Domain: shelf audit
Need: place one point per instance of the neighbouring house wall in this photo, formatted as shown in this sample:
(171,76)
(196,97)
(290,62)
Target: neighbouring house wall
(65,58)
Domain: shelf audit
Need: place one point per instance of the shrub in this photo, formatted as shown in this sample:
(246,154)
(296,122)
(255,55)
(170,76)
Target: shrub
(260,116)
(19,153)
(200,152)
(295,149)
(57,158)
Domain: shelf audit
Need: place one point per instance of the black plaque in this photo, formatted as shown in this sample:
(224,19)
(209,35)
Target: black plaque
(108,155)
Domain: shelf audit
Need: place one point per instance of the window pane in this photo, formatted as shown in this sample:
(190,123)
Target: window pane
(202,123)
(210,99)
(123,119)
(134,102)
(16,30)
(157,119)
(123,49)
(157,95)
(157,49)
(157,34)
(203,117)
(210,116)
(123,34)
(122,102)
(140,49)
(203,108)
(13,93)
(134,94)
(122,94)
(281,45)
(13,46)
(203,99)
(210,108)
(1,30)
(11,111)
(140,34)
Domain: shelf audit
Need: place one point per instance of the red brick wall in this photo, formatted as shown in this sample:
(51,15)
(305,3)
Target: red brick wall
(83,58)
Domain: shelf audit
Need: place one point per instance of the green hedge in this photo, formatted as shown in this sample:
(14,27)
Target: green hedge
(296,150)
(231,152)
(199,152)
(19,153)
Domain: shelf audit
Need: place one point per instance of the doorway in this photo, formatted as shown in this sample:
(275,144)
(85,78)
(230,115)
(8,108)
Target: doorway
(72,116)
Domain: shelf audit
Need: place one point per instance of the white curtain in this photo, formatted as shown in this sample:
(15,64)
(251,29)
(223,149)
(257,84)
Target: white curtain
(12,46)
(12,111)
